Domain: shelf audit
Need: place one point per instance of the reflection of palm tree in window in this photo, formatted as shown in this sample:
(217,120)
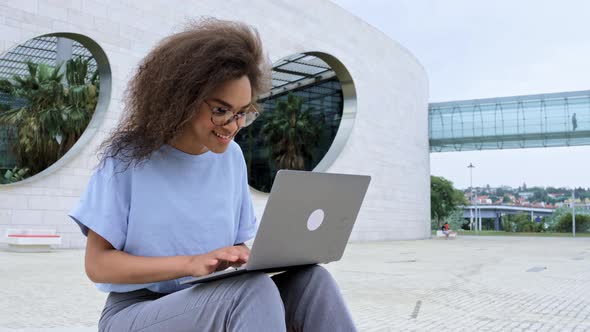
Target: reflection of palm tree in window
(292,133)
(55,113)
(574,122)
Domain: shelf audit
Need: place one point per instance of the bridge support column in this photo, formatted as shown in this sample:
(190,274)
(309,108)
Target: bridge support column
(497,222)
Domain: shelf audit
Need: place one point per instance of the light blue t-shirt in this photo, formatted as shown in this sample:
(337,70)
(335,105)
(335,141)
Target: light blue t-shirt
(173,204)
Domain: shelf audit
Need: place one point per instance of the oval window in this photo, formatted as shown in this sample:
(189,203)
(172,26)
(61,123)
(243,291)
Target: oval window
(49,89)
(300,121)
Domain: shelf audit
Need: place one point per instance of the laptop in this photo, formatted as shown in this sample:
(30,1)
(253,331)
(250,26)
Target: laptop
(307,220)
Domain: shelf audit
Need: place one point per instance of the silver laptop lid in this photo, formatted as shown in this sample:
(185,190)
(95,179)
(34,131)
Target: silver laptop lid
(308,218)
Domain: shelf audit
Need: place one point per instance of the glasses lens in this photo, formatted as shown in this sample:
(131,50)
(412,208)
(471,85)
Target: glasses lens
(220,116)
(249,118)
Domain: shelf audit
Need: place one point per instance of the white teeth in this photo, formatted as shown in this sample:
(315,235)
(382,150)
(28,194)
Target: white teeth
(221,136)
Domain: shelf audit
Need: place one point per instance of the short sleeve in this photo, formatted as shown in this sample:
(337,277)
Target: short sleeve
(247,218)
(104,205)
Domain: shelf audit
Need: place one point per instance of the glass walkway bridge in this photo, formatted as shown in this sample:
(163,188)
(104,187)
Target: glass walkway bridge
(532,121)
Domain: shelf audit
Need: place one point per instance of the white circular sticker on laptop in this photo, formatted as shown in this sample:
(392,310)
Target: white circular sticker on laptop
(315,219)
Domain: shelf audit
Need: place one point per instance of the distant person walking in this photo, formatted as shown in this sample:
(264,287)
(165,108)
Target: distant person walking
(574,122)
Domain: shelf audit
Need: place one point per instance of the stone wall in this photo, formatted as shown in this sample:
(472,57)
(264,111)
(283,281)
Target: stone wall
(389,140)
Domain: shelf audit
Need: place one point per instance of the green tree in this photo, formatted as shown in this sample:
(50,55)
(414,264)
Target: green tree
(54,115)
(292,133)
(565,223)
(444,199)
(538,196)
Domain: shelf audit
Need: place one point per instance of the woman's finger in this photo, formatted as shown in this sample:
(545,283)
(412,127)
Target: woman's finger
(226,256)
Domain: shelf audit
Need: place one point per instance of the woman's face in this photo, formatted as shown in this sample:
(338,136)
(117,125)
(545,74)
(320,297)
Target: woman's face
(202,135)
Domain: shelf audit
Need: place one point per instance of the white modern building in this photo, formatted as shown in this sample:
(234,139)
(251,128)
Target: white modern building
(384,128)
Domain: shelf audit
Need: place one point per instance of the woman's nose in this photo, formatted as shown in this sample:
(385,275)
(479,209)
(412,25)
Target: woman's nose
(233,125)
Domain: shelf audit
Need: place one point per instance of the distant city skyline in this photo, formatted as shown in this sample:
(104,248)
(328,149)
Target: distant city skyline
(482,49)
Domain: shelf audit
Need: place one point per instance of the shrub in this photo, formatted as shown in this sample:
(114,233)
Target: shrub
(521,223)
(455,220)
(564,224)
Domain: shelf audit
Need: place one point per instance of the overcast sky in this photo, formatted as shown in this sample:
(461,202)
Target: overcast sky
(481,49)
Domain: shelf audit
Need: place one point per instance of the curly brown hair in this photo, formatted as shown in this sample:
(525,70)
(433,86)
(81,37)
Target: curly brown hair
(176,77)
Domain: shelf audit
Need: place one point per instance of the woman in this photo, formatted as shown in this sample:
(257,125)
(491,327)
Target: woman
(170,199)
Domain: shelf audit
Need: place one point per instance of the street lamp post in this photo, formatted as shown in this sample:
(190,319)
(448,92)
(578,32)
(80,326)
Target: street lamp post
(574,212)
(479,214)
(473,201)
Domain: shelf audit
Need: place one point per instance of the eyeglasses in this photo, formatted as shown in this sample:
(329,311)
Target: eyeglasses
(221,116)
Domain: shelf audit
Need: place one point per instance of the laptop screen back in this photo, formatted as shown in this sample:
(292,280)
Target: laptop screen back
(308,218)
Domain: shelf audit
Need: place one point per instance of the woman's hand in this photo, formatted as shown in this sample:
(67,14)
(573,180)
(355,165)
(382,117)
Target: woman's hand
(217,260)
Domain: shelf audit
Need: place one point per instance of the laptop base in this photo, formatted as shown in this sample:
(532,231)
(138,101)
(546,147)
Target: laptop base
(236,272)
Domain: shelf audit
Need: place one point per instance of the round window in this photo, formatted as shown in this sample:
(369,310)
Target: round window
(49,89)
(301,126)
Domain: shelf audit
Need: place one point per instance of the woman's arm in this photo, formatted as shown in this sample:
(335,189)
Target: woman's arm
(105,264)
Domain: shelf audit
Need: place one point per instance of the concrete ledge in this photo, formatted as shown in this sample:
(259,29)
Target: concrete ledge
(31,240)
(452,235)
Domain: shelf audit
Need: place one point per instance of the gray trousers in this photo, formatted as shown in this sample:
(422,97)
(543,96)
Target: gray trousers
(304,299)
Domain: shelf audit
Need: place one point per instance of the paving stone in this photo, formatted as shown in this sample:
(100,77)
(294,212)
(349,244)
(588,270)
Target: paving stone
(460,287)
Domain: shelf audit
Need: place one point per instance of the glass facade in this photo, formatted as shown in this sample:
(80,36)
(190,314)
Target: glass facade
(40,50)
(546,120)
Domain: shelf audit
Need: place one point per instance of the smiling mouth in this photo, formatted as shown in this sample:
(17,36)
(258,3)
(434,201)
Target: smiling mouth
(222,136)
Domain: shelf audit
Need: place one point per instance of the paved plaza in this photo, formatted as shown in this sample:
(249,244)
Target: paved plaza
(467,284)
